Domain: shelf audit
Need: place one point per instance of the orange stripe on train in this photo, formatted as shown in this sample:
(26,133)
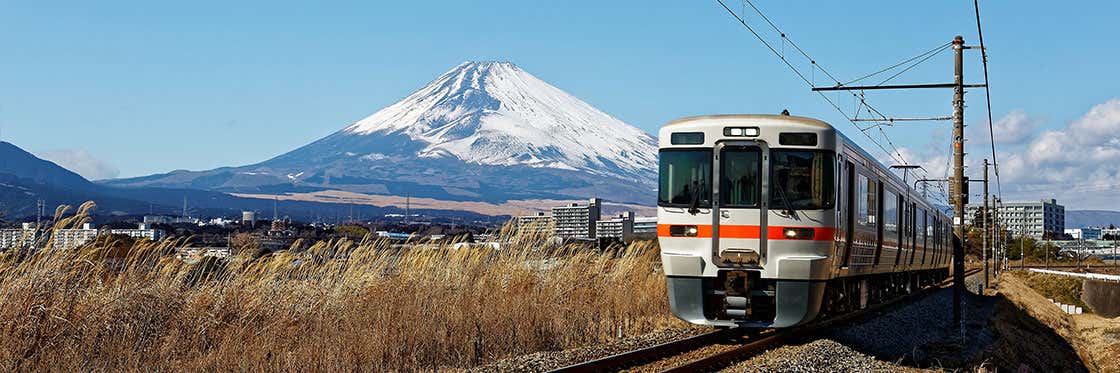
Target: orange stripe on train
(748,232)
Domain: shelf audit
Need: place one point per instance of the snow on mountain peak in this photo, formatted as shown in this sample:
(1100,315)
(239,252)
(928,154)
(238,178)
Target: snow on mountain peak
(495,113)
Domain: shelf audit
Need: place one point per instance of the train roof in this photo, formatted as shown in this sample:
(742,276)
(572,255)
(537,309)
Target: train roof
(809,122)
(789,118)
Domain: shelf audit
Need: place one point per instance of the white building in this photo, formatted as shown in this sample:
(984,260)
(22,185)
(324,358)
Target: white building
(620,227)
(1085,234)
(70,238)
(576,221)
(141,231)
(645,227)
(1038,220)
(17,237)
(533,224)
(1110,232)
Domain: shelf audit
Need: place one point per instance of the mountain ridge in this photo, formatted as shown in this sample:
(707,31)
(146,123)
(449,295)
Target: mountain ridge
(485,131)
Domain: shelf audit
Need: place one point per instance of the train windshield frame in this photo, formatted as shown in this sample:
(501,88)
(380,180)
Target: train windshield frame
(806,176)
(682,172)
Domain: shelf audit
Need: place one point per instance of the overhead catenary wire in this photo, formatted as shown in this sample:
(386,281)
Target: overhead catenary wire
(935,50)
(988,96)
(926,58)
(896,155)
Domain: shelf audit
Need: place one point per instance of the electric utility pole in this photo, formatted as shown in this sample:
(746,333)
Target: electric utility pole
(957,186)
(986,224)
(957,196)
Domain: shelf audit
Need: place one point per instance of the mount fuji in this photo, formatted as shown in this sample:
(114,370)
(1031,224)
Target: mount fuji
(483,131)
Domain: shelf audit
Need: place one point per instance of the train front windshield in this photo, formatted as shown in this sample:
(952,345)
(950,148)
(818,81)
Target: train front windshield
(805,179)
(685,178)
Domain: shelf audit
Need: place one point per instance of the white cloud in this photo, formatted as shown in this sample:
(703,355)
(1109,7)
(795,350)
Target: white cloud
(1077,164)
(82,162)
(1015,128)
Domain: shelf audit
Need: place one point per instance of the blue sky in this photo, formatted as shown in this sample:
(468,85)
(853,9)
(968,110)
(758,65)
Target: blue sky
(132,88)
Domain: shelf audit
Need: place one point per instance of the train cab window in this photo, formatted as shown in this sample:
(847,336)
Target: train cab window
(740,176)
(797,138)
(802,179)
(685,178)
(867,199)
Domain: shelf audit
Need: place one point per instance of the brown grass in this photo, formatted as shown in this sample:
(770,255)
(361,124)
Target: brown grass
(1034,331)
(340,305)
(1065,289)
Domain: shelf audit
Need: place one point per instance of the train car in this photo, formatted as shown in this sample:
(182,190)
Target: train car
(773,220)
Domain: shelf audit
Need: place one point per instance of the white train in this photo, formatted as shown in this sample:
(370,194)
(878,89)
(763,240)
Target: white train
(772,220)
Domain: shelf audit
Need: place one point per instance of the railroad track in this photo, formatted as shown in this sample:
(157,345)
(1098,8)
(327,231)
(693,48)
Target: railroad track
(756,341)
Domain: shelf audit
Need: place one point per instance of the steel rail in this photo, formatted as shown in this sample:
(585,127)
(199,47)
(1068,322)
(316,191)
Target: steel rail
(725,358)
(651,353)
(755,343)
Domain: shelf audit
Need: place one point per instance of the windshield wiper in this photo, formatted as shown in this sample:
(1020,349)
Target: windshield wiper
(789,206)
(694,207)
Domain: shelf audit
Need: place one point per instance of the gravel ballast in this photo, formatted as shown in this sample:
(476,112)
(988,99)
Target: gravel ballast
(822,355)
(549,360)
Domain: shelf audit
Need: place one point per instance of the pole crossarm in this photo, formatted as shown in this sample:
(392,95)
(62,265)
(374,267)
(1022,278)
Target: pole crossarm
(897,86)
(902,119)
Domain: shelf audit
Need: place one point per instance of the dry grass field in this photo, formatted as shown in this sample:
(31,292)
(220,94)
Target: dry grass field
(340,305)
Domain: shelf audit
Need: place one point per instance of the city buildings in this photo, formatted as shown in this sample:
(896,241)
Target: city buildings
(577,221)
(1038,220)
(69,238)
(585,222)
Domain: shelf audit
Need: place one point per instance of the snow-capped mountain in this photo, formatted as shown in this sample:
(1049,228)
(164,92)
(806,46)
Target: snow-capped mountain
(495,113)
(486,131)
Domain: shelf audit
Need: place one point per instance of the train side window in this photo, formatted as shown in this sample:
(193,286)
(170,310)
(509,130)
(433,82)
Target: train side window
(867,202)
(925,234)
(890,214)
(912,231)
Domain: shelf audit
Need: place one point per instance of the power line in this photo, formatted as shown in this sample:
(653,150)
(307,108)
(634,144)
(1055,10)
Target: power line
(801,75)
(931,51)
(946,46)
(988,96)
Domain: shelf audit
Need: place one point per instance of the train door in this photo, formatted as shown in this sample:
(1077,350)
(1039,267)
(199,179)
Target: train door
(739,229)
(849,191)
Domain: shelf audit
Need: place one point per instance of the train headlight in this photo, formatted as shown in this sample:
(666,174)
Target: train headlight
(683,231)
(741,131)
(798,233)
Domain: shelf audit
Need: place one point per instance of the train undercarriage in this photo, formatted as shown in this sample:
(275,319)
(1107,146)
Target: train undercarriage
(743,298)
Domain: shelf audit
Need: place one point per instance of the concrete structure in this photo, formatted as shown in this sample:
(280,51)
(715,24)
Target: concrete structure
(577,221)
(17,237)
(1038,220)
(248,218)
(141,231)
(70,238)
(1087,234)
(620,228)
(533,224)
(163,219)
(645,227)
(1113,232)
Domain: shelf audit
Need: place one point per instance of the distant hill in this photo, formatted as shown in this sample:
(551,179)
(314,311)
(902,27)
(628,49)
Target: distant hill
(1091,218)
(25,179)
